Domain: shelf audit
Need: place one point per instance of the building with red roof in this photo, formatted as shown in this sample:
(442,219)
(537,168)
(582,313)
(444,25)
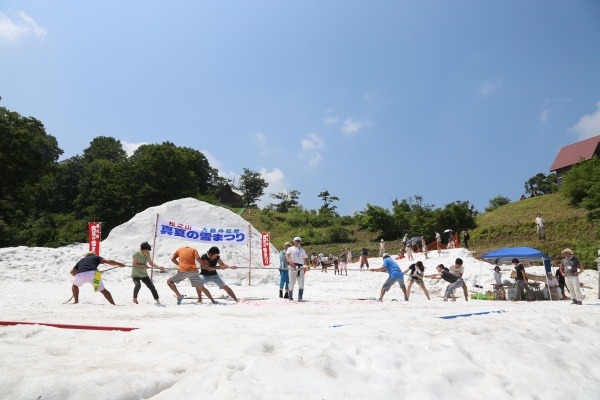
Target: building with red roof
(573,153)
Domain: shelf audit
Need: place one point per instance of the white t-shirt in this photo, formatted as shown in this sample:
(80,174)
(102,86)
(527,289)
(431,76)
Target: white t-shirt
(539,221)
(498,277)
(458,271)
(296,255)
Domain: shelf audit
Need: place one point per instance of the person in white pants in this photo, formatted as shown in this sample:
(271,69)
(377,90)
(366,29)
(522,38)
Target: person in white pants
(571,268)
(298,263)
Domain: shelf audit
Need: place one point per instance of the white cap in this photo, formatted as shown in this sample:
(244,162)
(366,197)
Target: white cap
(297,238)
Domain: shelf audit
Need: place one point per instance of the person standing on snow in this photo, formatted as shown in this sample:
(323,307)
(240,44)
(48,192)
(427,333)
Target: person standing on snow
(298,264)
(454,281)
(185,258)
(85,271)
(284,276)
(139,272)
(571,268)
(210,263)
(395,275)
(381,248)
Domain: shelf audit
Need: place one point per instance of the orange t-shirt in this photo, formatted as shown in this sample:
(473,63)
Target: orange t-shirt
(186,256)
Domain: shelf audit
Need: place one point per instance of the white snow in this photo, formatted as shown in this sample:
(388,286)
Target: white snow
(333,346)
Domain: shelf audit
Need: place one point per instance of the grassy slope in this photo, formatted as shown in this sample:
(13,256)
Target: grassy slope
(514,225)
(508,226)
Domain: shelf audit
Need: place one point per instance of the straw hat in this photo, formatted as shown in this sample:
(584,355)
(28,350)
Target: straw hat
(567,251)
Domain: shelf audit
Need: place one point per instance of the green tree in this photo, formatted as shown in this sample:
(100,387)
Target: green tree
(328,200)
(252,186)
(458,216)
(581,186)
(401,210)
(69,173)
(165,172)
(104,148)
(27,162)
(287,201)
(496,202)
(105,193)
(541,184)
(378,219)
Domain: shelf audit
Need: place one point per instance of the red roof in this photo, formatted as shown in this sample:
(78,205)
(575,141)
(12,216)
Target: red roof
(571,154)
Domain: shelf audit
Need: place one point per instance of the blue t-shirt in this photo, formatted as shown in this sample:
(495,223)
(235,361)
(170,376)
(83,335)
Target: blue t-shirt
(282,260)
(392,268)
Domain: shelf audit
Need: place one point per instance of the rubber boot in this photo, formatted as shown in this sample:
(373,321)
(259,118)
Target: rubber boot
(286,295)
(280,293)
(300,293)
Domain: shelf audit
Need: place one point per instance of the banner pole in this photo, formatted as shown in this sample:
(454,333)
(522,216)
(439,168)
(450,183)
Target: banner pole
(250,254)
(153,250)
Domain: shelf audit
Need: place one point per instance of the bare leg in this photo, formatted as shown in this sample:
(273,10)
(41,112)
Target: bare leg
(173,288)
(405,292)
(230,292)
(408,289)
(203,289)
(422,285)
(465,291)
(108,296)
(75,290)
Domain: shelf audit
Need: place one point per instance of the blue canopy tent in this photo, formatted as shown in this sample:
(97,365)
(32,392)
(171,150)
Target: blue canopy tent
(522,253)
(506,255)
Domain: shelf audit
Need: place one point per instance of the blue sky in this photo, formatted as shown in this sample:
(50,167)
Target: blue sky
(370,100)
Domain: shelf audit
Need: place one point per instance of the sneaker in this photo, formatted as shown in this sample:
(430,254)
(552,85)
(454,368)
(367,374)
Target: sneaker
(579,303)
(179,299)
(574,302)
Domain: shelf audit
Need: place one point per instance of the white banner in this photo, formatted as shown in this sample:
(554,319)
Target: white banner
(206,234)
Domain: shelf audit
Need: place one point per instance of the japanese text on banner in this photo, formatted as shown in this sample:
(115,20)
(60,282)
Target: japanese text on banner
(94,237)
(205,234)
(266,250)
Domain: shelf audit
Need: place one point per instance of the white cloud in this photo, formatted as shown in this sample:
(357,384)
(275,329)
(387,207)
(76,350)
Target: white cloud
(351,127)
(588,126)
(261,138)
(552,106)
(487,88)
(330,117)
(22,28)
(264,146)
(544,115)
(311,149)
(130,148)
(216,164)
(330,120)
(277,184)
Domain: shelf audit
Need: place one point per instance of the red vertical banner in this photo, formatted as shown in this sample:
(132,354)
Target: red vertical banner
(94,237)
(266,248)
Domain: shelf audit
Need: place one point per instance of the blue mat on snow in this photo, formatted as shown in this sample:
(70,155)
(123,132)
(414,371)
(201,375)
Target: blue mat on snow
(470,314)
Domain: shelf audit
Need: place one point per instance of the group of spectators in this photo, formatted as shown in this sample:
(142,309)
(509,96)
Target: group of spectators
(566,277)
